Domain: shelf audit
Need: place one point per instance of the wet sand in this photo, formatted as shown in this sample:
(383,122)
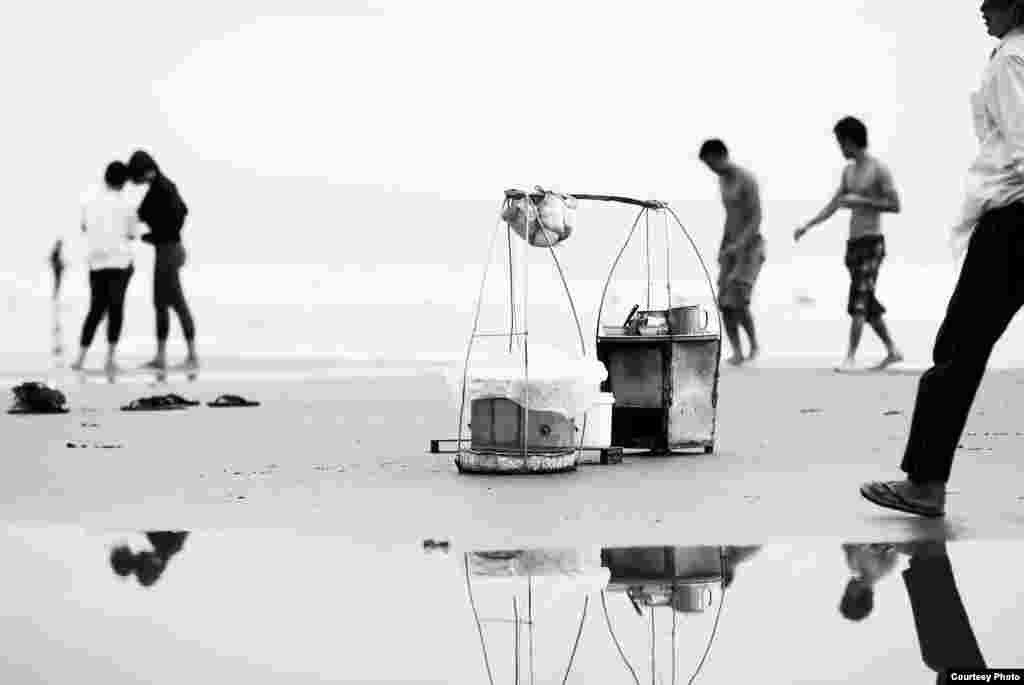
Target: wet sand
(349,457)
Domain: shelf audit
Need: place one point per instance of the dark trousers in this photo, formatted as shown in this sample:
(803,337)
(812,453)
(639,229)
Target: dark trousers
(107,288)
(988,294)
(943,628)
(167,292)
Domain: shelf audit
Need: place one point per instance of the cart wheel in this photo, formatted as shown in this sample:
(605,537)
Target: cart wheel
(708,449)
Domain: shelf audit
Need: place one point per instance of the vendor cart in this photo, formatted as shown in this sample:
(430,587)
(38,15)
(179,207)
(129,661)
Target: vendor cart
(663,361)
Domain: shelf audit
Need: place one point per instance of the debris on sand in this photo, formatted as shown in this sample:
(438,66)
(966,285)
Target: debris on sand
(430,543)
(893,412)
(97,445)
(812,410)
(37,398)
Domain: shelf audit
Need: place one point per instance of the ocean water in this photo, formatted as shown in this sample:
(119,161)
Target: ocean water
(425,312)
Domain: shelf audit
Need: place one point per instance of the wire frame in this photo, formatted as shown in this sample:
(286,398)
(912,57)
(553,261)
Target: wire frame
(643,217)
(504,228)
(633,672)
(518,621)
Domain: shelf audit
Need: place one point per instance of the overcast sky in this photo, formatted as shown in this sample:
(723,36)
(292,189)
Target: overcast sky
(274,118)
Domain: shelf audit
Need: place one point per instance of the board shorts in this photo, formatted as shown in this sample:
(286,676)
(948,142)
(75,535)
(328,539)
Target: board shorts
(738,273)
(863,259)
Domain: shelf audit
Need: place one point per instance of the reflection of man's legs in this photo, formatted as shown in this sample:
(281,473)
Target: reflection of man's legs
(943,628)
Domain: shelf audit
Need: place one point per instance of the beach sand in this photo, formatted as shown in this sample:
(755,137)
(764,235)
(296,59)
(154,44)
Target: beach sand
(349,456)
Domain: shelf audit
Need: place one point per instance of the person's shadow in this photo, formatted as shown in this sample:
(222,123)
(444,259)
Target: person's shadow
(943,628)
(149,565)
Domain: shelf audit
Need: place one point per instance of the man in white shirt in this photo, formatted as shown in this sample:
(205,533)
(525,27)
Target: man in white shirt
(990,289)
(109,223)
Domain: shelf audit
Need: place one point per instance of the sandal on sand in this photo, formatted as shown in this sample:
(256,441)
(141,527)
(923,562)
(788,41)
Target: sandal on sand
(232,401)
(158,403)
(884,495)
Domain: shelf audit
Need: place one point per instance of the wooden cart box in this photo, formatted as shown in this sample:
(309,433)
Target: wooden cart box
(665,389)
(497,424)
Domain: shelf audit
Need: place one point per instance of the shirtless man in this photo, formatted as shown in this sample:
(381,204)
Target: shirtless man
(741,255)
(867,189)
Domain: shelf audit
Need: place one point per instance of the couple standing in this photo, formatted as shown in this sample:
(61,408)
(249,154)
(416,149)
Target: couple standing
(132,194)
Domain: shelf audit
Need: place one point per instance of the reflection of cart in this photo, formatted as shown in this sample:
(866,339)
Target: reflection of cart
(681,580)
(508,570)
(663,373)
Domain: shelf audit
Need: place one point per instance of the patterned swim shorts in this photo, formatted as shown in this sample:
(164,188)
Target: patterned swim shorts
(863,259)
(737,275)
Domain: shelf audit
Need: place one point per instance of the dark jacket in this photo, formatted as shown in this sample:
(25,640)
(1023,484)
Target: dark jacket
(163,211)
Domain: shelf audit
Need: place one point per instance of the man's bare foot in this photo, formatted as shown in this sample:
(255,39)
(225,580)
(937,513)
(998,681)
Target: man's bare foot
(755,352)
(849,364)
(111,368)
(77,366)
(158,364)
(190,364)
(736,359)
(894,357)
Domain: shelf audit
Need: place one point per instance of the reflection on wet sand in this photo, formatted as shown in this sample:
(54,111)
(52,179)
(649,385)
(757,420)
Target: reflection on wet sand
(681,580)
(943,628)
(353,612)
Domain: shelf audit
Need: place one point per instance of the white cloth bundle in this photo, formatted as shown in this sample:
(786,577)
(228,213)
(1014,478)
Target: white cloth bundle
(542,224)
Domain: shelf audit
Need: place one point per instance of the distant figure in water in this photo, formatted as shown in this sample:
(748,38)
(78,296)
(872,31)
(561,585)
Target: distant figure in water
(110,225)
(164,211)
(57,266)
(742,252)
(148,566)
(866,188)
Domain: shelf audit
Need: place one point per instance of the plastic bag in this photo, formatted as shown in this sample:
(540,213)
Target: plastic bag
(543,223)
(557,382)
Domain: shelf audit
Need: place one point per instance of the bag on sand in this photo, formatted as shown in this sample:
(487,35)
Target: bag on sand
(542,223)
(37,398)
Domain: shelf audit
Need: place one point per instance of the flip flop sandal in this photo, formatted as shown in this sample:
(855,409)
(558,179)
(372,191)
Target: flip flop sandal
(883,495)
(181,400)
(156,403)
(232,401)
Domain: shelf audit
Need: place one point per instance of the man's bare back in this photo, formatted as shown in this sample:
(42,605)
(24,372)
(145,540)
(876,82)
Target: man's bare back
(741,201)
(871,179)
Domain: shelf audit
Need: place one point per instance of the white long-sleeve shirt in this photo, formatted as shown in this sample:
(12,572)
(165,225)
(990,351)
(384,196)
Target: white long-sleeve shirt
(996,178)
(110,224)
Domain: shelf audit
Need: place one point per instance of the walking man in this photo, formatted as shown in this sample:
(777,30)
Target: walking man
(867,189)
(990,289)
(742,252)
(164,211)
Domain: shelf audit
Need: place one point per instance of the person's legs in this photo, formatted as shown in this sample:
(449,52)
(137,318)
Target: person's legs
(731,322)
(746,321)
(180,306)
(856,332)
(117,287)
(943,627)
(988,293)
(162,286)
(875,310)
(97,308)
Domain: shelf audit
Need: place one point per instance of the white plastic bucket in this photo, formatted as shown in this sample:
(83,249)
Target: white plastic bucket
(599,422)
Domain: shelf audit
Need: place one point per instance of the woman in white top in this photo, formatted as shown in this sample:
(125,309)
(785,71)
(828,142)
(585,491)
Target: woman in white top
(110,224)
